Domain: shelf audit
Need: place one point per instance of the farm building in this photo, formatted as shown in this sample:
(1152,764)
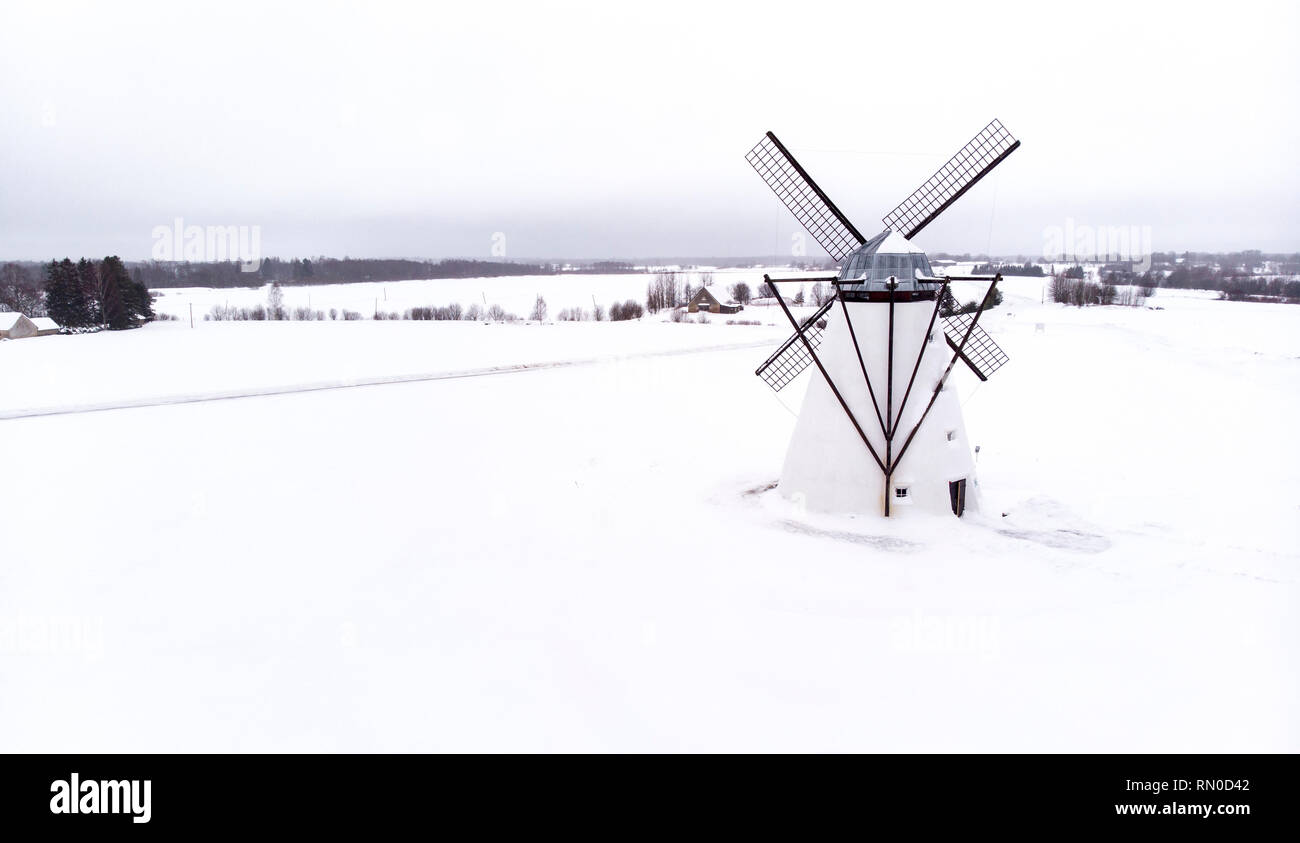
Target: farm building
(45,326)
(15,326)
(712,299)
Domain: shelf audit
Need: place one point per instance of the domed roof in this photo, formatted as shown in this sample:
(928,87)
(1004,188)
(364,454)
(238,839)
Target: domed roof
(888,254)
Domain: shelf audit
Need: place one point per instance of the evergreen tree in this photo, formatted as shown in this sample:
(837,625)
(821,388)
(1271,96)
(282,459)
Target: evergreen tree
(55,294)
(126,302)
(947,304)
(138,300)
(91,293)
(64,300)
(114,313)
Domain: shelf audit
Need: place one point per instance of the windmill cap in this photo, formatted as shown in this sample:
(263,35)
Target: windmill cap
(887,254)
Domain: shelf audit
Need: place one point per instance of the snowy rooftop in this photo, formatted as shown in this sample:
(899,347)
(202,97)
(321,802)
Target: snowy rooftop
(8,319)
(720,295)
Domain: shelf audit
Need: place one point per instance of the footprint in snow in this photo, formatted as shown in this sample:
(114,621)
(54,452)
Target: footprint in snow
(1076,540)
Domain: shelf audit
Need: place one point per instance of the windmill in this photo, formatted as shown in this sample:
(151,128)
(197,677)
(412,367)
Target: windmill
(880,428)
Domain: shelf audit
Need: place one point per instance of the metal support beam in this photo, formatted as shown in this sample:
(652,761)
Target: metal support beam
(875,405)
(829,382)
(902,405)
(946,372)
(889,371)
(889,397)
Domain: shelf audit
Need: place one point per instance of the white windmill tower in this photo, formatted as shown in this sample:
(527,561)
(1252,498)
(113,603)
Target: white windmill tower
(880,430)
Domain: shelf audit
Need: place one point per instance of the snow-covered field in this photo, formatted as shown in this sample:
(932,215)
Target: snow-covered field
(584,557)
(516,295)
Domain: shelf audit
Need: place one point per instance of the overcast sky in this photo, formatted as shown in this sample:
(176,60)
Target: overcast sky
(372,129)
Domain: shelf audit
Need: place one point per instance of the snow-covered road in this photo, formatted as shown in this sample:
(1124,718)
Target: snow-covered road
(67,407)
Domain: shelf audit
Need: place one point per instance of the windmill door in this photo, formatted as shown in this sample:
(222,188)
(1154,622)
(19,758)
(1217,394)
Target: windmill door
(957,494)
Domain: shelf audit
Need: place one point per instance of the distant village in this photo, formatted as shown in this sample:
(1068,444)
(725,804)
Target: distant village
(1238,276)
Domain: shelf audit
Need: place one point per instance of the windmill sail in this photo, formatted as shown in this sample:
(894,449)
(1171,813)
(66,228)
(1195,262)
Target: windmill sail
(791,358)
(796,189)
(971,163)
(981,353)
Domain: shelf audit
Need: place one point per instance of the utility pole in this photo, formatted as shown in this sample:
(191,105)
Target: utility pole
(191,314)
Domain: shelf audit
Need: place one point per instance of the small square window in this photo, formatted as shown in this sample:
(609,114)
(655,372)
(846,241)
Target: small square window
(900,491)
(952,436)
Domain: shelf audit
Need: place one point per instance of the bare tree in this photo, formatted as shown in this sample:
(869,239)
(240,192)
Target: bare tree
(1060,289)
(275,302)
(20,291)
(663,292)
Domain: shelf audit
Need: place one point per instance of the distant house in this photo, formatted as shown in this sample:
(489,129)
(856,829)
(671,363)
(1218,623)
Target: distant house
(15,326)
(45,326)
(712,299)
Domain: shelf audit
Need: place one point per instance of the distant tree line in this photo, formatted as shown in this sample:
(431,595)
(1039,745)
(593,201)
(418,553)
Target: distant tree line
(163,274)
(1027,268)
(1232,283)
(274,310)
(1236,283)
(1241,289)
(602,268)
(1230,263)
